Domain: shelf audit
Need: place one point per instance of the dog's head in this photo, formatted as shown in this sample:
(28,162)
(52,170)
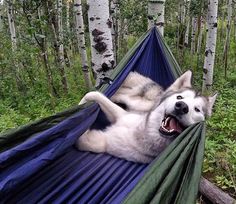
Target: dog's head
(184,106)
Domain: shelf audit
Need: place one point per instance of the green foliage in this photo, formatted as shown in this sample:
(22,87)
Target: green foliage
(220,155)
(135,12)
(220,149)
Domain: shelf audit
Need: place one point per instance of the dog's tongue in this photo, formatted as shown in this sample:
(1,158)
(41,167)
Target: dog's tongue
(173,124)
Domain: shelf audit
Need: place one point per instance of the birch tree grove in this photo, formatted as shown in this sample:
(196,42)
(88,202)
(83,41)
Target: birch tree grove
(210,45)
(156,10)
(79,27)
(12,29)
(101,38)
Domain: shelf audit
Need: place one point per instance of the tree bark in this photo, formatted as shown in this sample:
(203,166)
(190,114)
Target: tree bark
(227,40)
(193,34)
(186,37)
(182,8)
(156,10)
(11,25)
(214,194)
(68,44)
(235,28)
(1,17)
(199,41)
(68,15)
(114,5)
(100,38)
(61,47)
(79,27)
(210,45)
(187,21)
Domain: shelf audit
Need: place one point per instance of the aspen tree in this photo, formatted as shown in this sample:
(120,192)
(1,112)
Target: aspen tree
(61,46)
(228,31)
(100,37)
(210,45)
(156,10)
(199,42)
(114,5)
(187,21)
(79,27)
(11,25)
(193,34)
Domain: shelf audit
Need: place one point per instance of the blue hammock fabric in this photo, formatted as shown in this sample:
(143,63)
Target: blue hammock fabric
(47,168)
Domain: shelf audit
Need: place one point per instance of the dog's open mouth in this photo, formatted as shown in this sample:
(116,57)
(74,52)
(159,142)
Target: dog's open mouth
(171,126)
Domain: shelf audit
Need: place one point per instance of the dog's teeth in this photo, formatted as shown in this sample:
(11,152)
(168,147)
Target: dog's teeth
(172,130)
(162,124)
(166,120)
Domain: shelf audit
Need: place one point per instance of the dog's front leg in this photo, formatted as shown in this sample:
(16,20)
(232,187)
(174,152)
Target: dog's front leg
(111,110)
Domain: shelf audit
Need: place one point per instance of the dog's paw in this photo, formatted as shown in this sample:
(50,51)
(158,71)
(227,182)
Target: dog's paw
(83,101)
(91,96)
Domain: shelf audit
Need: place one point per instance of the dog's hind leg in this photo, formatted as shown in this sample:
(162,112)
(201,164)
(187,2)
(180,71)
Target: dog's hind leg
(92,140)
(111,110)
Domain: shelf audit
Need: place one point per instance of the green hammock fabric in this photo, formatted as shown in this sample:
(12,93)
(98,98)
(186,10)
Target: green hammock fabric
(172,176)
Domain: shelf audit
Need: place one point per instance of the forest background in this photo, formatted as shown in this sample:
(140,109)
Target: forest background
(42,71)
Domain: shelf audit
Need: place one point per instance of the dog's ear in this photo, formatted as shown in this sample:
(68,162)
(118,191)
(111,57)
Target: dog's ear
(184,81)
(211,100)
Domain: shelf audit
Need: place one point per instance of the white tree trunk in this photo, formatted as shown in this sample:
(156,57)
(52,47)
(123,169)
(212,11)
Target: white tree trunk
(193,34)
(100,38)
(228,31)
(210,45)
(235,27)
(114,31)
(79,27)
(187,21)
(68,15)
(234,11)
(199,42)
(1,16)
(186,37)
(182,11)
(11,25)
(156,10)
(61,46)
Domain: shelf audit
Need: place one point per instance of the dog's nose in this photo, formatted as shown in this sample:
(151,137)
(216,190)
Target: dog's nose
(181,108)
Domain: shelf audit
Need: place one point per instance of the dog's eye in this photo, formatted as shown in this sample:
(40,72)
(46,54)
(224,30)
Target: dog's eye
(179,97)
(196,109)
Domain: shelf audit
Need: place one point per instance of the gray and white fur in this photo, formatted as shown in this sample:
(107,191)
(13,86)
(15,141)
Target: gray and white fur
(135,134)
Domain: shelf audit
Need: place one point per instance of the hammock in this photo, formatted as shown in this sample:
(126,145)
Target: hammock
(39,163)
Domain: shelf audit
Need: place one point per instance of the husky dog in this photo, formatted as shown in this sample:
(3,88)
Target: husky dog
(138,93)
(141,136)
